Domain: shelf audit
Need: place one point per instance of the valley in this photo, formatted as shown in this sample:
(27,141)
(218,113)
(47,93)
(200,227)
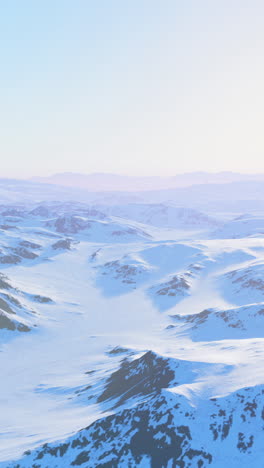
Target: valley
(131,335)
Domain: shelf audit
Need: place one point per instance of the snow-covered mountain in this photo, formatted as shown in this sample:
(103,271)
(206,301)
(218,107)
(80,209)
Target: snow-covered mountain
(244,226)
(162,215)
(111,182)
(163,431)
(228,197)
(216,324)
(131,335)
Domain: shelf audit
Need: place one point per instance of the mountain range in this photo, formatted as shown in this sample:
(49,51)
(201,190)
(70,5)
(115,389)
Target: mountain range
(115,182)
(131,332)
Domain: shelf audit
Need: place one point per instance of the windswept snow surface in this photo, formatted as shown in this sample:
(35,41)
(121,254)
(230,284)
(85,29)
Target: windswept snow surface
(144,344)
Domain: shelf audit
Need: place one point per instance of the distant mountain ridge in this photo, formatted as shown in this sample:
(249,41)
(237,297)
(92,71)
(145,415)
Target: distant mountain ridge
(116,182)
(235,198)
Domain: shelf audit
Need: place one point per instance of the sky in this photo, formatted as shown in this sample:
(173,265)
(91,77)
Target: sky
(142,87)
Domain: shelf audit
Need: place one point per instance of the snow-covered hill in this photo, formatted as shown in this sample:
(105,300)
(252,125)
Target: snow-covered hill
(96,230)
(162,215)
(17,309)
(164,431)
(124,331)
(245,285)
(214,324)
(243,226)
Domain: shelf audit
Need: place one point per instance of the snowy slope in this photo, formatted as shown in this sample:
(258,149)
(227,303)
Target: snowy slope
(244,226)
(214,324)
(135,341)
(162,215)
(245,284)
(164,432)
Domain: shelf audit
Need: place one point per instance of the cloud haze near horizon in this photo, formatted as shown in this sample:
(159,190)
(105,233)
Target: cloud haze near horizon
(141,88)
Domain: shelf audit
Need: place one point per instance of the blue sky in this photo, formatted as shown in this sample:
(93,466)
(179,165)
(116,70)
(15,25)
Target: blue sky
(134,87)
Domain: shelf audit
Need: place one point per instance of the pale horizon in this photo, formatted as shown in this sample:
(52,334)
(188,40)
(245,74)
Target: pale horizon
(51,174)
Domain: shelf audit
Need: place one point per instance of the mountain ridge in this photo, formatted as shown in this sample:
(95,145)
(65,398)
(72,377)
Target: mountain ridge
(110,182)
